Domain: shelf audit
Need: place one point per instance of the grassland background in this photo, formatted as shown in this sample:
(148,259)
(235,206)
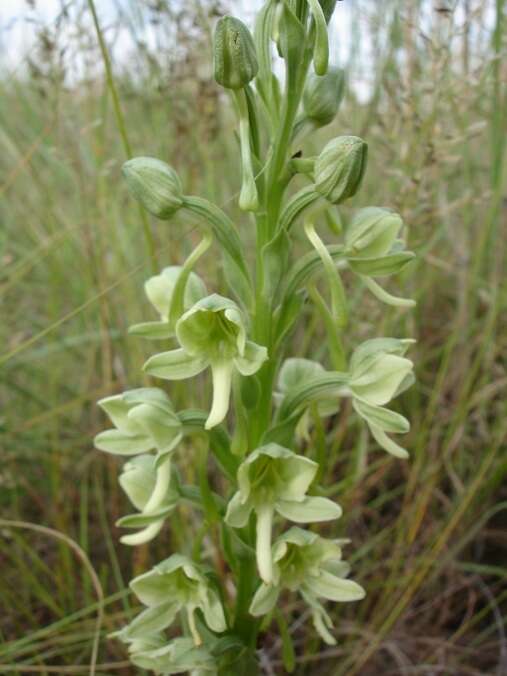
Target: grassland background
(428,536)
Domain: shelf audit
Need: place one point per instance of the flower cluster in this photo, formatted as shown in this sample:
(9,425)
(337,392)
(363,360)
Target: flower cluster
(257,422)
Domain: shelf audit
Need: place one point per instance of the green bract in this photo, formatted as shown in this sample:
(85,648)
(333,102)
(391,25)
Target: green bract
(155,184)
(340,167)
(160,290)
(306,563)
(274,479)
(235,61)
(177,584)
(212,333)
(323,95)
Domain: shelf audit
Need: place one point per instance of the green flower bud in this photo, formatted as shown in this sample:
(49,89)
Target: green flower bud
(372,232)
(328,7)
(235,60)
(155,184)
(323,95)
(340,167)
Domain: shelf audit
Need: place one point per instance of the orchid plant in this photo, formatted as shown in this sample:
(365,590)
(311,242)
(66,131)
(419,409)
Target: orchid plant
(208,617)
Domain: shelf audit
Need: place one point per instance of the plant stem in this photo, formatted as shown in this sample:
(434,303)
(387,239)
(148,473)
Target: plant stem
(122,127)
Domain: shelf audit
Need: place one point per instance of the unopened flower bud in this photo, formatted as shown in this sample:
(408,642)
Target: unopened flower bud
(235,60)
(323,95)
(372,232)
(155,184)
(340,167)
(328,7)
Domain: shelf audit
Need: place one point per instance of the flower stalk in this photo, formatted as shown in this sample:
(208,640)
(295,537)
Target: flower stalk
(261,407)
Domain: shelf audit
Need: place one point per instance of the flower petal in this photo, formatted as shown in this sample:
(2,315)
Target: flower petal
(334,588)
(152,330)
(264,599)
(118,443)
(383,418)
(253,358)
(151,621)
(214,612)
(175,365)
(237,514)
(388,444)
(163,426)
(143,536)
(311,509)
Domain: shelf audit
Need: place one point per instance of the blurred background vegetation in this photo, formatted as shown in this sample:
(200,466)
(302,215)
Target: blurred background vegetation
(429,541)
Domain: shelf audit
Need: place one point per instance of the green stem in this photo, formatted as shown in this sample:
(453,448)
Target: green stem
(122,127)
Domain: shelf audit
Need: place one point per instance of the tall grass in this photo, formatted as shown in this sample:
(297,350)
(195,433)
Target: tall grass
(429,537)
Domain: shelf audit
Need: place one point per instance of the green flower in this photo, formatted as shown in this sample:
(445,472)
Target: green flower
(306,563)
(144,420)
(177,584)
(212,333)
(274,479)
(340,167)
(160,291)
(378,373)
(372,249)
(150,490)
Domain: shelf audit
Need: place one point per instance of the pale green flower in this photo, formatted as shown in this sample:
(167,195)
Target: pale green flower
(306,563)
(144,421)
(274,479)
(159,290)
(378,373)
(372,249)
(177,584)
(211,334)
